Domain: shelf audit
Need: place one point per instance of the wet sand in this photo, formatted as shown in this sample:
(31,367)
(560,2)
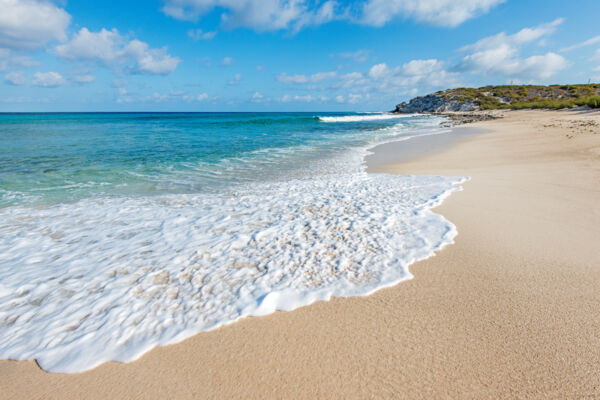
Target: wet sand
(511,310)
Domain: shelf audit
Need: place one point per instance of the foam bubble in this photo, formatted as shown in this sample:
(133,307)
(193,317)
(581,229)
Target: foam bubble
(109,279)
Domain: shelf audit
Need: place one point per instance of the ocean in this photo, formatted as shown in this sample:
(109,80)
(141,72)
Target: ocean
(120,232)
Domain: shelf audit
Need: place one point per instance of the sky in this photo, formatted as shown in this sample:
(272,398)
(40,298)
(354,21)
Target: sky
(283,55)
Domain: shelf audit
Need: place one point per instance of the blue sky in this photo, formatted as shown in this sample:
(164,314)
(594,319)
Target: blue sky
(282,55)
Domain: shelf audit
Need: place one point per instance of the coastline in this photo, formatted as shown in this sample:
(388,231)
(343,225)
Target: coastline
(509,310)
(381,156)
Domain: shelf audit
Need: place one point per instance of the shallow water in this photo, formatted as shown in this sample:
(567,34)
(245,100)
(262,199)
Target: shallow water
(121,232)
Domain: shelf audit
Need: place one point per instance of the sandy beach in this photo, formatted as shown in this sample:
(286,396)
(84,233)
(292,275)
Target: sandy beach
(511,310)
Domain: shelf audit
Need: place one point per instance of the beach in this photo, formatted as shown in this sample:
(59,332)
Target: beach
(510,310)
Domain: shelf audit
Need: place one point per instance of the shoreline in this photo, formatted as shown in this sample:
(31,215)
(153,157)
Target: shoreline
(381,156)
(509,310)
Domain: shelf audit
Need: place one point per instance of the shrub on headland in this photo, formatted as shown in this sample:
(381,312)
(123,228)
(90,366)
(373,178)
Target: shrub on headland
(514,97)
(592,102)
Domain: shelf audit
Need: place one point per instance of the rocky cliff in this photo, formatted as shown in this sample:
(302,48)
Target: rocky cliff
(504,97)
(435,103)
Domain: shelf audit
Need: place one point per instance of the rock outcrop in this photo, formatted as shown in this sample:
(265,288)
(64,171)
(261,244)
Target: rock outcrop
(504,97)
(434,103)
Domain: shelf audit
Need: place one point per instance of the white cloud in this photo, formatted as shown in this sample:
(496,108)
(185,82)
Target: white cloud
(589,42)
(322,76)
(285,78)
(351,79)
(305,98)
(197,34)
(48,79)
(358,55)
(260,15)
(9,60)
(270,15)
(314,78)
(421,67)
(354,98)
(379,71)
(298,98)
(227,61)
(106,46)
(124,96)
(236,80)
(112,49)
(430,73)
(82,79)
(257,98)
(16,78)
(28,24)
(260,67)
(437,12)
(525,35)
(151,61)
(23,99)
(499,54)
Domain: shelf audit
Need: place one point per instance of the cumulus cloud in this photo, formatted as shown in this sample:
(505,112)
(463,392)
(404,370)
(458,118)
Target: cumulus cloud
(499,54)
(110,48)
(298,79)
(260,15)
(379,71)
(16,78)
(48,79)
(430,73)
(448,13)
(29,24)
(151,61)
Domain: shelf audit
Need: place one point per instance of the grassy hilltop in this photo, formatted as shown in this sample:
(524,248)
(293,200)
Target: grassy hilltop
(527,96)
(504,97)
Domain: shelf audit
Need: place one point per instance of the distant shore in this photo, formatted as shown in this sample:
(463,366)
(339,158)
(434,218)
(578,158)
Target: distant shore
(509,311)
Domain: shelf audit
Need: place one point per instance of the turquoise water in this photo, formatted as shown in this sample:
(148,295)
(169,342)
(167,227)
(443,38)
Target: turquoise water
(49,158)
(123,232)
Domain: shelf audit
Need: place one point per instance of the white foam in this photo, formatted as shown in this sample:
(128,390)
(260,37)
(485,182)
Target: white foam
(109,279)
(370,117)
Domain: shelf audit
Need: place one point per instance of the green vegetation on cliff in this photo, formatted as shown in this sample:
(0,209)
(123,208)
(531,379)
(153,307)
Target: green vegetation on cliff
(527,96)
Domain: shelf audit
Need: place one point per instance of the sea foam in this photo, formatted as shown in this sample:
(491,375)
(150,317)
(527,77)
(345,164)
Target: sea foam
(109,279)
(367,117)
